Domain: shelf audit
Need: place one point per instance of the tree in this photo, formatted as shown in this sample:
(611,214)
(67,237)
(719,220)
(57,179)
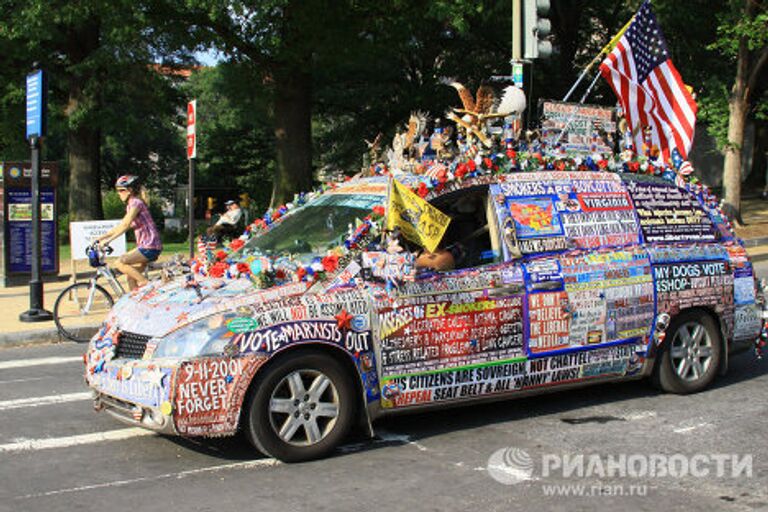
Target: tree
(314,56)
(93,50)
(275,39)
(235,135)
(743,39)
(397,64)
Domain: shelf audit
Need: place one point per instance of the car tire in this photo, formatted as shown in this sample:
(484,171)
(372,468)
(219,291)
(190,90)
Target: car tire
(301,408)
(691,354)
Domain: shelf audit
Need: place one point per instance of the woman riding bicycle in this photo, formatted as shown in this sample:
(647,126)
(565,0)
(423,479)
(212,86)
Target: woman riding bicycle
(148,244)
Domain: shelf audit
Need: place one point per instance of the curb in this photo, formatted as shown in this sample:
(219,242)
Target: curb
(754,242)
(34,337)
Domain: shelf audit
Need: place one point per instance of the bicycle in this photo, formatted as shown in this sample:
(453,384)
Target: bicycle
(81,305)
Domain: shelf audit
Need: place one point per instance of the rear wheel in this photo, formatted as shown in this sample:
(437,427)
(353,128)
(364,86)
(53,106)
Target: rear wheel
(301,408)
(691,356)
(79,311)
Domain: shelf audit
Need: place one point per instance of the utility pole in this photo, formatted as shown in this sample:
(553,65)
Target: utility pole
(517,44)
(191,156)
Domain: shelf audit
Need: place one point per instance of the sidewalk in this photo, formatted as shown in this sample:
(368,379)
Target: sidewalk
(754,211)
(15,300)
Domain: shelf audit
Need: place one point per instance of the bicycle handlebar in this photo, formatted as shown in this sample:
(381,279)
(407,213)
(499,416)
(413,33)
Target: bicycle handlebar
(106,249)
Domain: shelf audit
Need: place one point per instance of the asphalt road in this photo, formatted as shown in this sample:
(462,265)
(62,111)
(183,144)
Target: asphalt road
(56,453)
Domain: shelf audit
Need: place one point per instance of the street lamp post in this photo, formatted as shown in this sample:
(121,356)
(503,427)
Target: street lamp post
(36,125)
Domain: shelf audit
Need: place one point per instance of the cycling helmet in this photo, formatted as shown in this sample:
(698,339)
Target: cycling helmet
(127,180)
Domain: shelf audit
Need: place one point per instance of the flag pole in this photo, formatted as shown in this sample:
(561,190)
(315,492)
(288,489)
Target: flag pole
(606,49)
(387,210)
(573,115)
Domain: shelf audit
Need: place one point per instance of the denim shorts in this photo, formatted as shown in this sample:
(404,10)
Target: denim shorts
(150,254)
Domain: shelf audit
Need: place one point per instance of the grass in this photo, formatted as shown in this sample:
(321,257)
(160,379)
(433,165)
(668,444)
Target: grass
(65,251)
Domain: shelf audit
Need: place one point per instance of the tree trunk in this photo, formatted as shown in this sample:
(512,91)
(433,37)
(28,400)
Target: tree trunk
(83,138)
(737,107)
(83,143)
(293,134)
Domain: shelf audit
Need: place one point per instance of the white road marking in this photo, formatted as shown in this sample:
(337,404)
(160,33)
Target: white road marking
(37,401)
(684,430)
(23,380)
(382,437)
(65,442)
(640,415)
(259,463)
(388,437)
(22,363)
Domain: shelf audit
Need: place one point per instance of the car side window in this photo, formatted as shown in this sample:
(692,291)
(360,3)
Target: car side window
(471,237)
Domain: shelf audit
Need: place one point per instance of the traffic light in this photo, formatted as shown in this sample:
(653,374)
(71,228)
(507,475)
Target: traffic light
(535,29)
(211,203)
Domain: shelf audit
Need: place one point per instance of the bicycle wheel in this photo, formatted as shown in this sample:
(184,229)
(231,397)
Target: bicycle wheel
(79,310)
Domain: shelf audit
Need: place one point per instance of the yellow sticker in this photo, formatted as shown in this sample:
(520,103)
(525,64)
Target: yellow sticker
(166,408)
(127,372)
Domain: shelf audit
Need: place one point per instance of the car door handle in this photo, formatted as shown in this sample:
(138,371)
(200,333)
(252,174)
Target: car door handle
(504,291)
(546,285)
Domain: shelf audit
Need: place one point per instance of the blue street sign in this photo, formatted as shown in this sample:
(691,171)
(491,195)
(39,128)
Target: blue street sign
(35,104)
(517,74)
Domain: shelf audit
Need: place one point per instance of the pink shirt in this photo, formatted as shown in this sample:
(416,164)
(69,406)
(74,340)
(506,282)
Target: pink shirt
(147,235)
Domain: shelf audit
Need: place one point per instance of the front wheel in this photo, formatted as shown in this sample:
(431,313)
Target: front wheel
(80,309)
(301,408)
(690,360)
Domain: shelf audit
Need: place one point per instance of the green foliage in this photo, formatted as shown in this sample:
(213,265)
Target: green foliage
(62,225)
(174,236)
(236,143)
(371,63)
(113,207)
(98,56)
(713,110)
(146,142)
(390,59)
(737,26)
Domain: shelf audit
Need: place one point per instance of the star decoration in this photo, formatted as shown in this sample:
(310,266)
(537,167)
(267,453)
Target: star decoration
(154,377)
(343,320)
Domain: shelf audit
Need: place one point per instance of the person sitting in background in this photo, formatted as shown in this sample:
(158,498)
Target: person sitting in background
(227,223)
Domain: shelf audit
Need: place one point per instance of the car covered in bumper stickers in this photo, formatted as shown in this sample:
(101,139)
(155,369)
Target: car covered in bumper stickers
(561,279)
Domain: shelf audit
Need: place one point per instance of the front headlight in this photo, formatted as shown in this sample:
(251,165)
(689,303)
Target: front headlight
(204,337)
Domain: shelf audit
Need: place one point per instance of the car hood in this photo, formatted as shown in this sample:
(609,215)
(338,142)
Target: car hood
(162,307)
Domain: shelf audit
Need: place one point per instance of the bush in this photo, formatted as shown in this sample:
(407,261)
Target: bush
(174,236)
(63,228)
(112,206)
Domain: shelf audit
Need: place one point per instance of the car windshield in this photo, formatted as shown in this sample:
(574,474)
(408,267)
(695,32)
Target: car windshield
(316,227)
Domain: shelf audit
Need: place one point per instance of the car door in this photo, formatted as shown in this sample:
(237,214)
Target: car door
(439,334)
(589,290)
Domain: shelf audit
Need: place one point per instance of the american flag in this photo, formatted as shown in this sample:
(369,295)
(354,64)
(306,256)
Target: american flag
(201,248)
(649,87)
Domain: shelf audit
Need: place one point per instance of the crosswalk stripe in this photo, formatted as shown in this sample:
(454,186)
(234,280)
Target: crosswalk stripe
(65,442)
(37,401)
(259,463)
(29,379)
(22,363)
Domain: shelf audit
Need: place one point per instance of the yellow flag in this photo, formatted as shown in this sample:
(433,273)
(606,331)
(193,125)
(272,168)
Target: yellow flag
(418,220)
